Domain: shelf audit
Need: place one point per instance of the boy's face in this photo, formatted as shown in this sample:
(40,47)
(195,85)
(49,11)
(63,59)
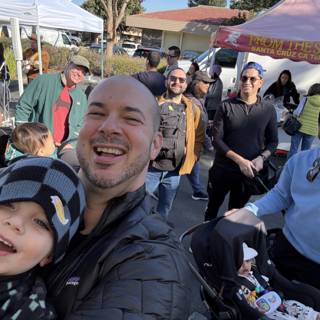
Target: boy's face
(26,238)
(245,268)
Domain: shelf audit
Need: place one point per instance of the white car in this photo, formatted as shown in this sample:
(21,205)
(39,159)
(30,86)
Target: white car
(130,47)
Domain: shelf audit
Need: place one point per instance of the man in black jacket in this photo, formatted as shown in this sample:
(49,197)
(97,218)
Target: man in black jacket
(245,134)
(151,78)
(126,262)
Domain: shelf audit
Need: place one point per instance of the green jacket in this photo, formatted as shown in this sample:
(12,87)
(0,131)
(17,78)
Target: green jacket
(35,105)
(310,115)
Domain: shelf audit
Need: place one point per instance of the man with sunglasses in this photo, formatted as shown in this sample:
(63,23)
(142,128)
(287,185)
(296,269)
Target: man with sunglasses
(173,56)
(245,134)
(183,136)
(296,249)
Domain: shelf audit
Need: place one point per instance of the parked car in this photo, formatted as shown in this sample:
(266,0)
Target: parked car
(130,47)
(189,55)
(143,52)
(117,50)
(73,38)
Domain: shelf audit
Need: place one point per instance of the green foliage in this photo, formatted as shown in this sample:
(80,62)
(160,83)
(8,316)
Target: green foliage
(252,5)
(117,65)
(96,7)
(216,3)
(242,17)
(11,63)
(58,57)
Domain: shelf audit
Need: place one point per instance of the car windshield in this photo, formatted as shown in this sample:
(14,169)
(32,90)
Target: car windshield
(128,45)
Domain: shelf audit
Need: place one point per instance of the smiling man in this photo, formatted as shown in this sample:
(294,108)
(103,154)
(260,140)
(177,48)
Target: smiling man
(56,101)
(183,136)
(245,134)
(126,262)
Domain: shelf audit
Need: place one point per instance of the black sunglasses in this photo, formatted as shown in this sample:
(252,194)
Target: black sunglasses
(314,170)
(174,79)
(252,79)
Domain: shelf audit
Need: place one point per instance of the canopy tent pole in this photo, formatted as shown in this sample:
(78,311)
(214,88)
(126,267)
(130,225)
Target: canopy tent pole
(102,55)
(39,40)
(17,50)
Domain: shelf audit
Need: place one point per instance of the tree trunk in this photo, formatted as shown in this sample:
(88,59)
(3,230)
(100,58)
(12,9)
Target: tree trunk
(109,50)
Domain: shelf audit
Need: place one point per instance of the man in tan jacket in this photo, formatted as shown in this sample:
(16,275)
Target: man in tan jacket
(183,136)
(31,59)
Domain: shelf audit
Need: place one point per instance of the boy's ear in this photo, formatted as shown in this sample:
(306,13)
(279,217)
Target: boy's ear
(45,261)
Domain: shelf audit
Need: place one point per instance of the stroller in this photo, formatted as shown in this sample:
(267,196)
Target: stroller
(217,249)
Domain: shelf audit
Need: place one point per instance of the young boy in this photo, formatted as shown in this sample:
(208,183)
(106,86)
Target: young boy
(41,205)
(31,138)
(259,295)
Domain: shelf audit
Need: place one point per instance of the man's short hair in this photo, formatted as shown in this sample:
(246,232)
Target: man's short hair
(177,68)
(176,50)
(153,59)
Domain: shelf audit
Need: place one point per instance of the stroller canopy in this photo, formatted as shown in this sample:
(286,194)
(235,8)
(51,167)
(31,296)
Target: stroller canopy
(219,243)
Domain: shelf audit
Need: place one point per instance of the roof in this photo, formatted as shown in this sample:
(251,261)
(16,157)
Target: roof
(201,14)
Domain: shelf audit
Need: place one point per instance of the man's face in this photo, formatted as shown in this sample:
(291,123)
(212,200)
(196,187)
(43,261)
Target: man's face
(203,87)
(75,74)
(26,238)
(172,58)
(250,82)
(117,139)
(177,82)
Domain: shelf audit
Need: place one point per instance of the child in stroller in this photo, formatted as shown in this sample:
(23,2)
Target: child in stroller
(217,247)
(259,295)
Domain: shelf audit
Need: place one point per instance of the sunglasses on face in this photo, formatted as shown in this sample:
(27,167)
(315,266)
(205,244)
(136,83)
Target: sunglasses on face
(314,170)
(174,79)
(252,79)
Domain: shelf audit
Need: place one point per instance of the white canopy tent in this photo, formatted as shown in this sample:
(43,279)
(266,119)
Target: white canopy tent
(54,14)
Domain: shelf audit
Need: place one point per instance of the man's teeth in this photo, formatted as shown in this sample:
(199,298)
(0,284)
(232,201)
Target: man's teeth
(114,151)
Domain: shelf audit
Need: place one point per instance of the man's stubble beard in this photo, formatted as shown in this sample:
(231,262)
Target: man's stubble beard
(132,170)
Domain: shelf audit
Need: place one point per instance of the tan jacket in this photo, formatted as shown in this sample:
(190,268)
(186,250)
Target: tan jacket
(194,136)
(33,58)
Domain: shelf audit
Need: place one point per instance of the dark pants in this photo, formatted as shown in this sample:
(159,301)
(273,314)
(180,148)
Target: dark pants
(292,265)
(221,181)
(211,114)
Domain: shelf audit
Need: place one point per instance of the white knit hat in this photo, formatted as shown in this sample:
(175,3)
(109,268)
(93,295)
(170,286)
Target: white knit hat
(248,253)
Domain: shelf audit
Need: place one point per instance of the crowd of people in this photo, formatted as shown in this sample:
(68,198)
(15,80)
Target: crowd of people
(103,243)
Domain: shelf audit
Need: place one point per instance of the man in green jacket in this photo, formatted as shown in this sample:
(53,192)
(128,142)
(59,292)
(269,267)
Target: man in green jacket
(56,101)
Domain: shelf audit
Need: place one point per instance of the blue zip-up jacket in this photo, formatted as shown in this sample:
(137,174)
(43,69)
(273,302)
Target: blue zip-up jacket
(301,198)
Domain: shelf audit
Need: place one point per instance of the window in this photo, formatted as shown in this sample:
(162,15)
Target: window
(65,39)
(128,46)
(226,58)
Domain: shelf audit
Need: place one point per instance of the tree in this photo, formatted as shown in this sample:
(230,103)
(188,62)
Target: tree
(113,13)
(216,3)
(252,5)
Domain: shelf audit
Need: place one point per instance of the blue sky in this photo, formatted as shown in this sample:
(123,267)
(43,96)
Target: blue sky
(157,5)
